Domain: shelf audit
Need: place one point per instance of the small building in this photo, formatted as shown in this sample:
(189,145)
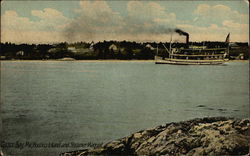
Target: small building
(150,47)
(20,53)
(52,50)
(113,47)
(2,57)
(91,47)
(72,49)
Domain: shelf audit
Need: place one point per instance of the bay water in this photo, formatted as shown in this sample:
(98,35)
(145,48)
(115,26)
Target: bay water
(49,107)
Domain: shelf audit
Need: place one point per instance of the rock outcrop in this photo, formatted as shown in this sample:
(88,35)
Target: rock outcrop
(207,136)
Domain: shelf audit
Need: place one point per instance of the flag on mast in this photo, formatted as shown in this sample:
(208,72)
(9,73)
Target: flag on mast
(227,43)
(228,38)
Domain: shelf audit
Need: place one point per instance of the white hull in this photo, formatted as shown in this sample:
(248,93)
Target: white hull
(189,62)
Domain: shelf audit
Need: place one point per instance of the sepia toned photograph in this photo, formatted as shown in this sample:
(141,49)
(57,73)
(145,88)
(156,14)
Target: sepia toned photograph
(124,77)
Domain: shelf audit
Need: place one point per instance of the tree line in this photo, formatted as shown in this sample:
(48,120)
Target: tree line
(124,50)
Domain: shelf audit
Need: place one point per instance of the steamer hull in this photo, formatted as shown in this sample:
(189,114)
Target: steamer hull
(190,62)
(194,57)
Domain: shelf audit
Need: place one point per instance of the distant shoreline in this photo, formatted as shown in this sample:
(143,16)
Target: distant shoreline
(53,60)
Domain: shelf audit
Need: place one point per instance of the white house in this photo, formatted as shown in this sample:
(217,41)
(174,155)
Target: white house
(150,47)
(113,47)
(20,53)
(91,47)
(72,49)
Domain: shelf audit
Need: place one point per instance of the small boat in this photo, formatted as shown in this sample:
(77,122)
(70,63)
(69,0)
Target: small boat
(194,56)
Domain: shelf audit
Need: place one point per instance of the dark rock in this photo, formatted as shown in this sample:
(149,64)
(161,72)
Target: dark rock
(222,110)
(201,106)
(206,136)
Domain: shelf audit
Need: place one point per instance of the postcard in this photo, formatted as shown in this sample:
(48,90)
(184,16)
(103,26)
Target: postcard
(119,77)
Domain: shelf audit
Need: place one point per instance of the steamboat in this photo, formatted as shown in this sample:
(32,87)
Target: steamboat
(194,55)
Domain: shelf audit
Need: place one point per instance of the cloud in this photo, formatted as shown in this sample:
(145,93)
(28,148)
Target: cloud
(97,20)
(97,10)
(147,11)
(31,36)
(11,20)
(214,22)
(239,32)
(148,18)
(49,20)
(218,13)
(50,15)
(144,21)
(94,18)
(231,24)
(235,27)
(22,29)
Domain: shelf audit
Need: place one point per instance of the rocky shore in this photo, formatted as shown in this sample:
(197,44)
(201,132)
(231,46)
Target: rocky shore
(206,136)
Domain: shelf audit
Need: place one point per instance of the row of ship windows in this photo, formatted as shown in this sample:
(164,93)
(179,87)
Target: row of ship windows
(198,58)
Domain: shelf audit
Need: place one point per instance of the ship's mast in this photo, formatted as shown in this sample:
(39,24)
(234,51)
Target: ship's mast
(228,48)
(228,43)
(170,48)
(157,50)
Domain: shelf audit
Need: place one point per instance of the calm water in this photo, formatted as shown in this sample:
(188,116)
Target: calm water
(82,102)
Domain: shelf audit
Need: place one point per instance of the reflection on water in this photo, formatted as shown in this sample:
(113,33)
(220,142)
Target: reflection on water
(97,102)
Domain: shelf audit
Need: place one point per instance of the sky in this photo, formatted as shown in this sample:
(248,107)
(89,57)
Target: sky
(140,21)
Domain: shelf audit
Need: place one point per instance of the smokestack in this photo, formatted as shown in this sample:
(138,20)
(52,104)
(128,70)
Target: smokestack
(187,39)
(181,32)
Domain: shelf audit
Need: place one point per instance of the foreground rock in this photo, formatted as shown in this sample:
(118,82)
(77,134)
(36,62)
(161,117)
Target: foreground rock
(207,136)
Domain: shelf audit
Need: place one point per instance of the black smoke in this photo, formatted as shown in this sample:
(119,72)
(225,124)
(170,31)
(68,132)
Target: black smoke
(181,32)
